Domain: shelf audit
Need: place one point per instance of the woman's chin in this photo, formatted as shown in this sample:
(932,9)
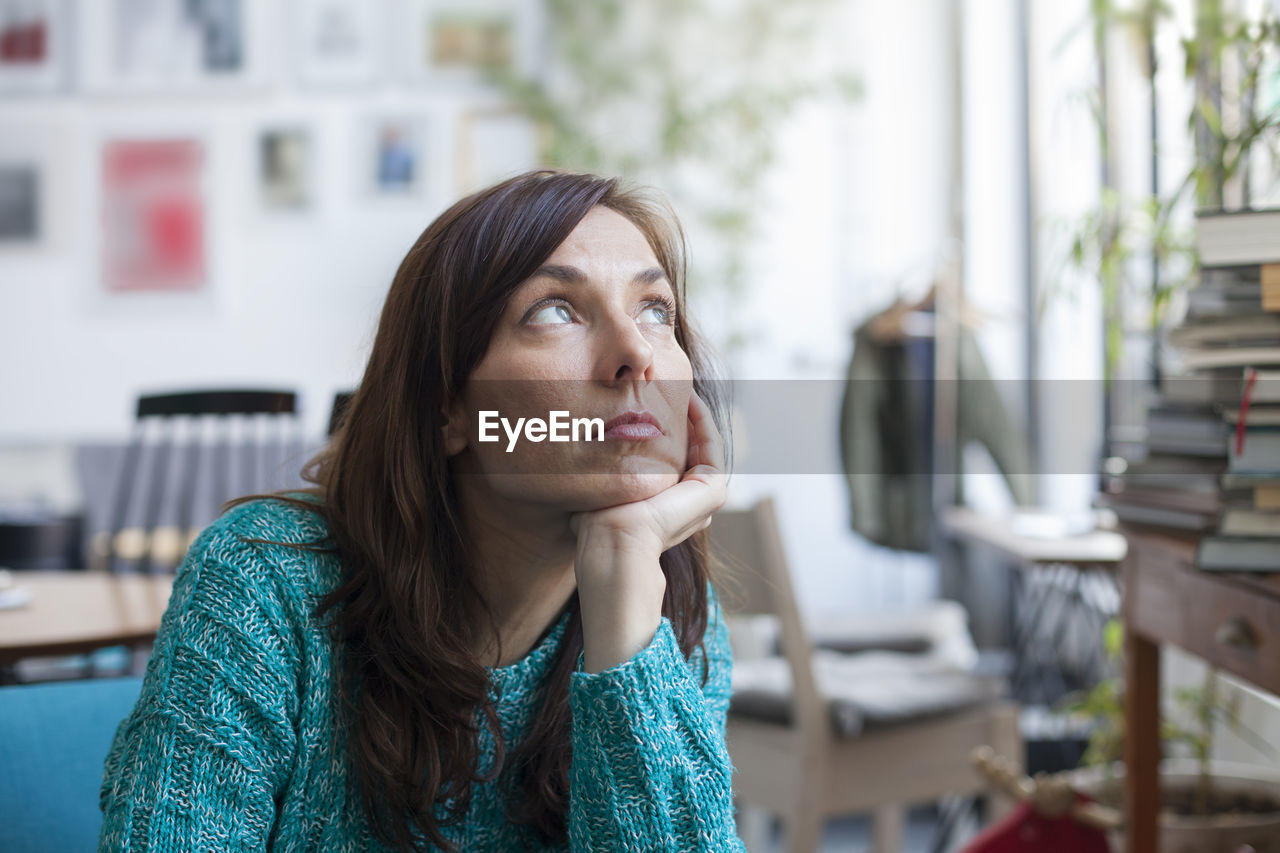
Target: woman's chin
(614,489)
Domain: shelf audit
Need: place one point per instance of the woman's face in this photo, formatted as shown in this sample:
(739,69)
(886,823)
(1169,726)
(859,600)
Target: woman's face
(590,333)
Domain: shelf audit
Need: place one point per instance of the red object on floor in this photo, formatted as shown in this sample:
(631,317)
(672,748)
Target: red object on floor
(1025,831)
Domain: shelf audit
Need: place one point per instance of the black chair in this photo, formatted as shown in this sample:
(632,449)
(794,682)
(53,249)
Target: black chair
(42,542)
(341,400)
(189,453)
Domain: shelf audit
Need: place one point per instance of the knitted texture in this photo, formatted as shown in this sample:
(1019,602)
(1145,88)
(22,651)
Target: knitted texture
(233,742)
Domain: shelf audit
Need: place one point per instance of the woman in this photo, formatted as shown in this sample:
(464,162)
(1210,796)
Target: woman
(457,643)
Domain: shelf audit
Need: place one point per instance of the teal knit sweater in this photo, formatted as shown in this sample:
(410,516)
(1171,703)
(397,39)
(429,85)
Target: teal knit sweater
(233,743)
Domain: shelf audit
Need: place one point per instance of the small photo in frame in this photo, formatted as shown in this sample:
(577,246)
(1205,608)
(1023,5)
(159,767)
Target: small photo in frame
(285,175)
(33,44)
(20,214)
(161,45)
(494,145)
(153,214)
(339,42)
(463,42)
(476,40)
(396,162)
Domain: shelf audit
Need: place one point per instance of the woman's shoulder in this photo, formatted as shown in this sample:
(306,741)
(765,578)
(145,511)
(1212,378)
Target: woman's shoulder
(282,545)
(295,518)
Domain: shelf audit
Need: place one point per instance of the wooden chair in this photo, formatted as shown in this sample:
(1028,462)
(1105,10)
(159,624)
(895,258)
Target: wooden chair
(804,770)
(189,453)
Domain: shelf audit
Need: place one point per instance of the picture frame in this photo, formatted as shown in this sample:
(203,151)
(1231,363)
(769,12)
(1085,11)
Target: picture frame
(493,144)
(457,42)
(165,46)
(154,210)
(338,43)
(21,206)
(285,156)
(394,161)
(34,43)
(36,200)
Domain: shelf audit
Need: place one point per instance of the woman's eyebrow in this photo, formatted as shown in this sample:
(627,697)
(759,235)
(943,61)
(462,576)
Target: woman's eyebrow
(572,275)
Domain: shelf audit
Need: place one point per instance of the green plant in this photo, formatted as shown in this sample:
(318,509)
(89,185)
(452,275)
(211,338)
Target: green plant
(1108,243)
(1197,712)
(684,94)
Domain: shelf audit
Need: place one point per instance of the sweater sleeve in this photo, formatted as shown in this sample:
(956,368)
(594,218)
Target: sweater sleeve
(650,770)
(196,765)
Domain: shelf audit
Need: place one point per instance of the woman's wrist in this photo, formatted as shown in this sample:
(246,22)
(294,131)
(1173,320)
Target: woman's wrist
(620,591)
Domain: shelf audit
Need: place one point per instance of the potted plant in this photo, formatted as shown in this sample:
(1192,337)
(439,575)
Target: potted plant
(1208,806)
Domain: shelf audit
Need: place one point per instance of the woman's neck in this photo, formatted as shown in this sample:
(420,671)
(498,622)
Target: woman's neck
(524,568)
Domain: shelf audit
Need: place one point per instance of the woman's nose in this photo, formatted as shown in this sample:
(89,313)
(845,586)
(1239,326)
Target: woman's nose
(623,352)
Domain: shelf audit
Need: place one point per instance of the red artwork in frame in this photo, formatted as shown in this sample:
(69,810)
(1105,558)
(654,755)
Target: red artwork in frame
(153,216)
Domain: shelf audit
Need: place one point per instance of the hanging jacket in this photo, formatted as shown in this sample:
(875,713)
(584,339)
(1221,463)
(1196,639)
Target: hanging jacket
(887,435)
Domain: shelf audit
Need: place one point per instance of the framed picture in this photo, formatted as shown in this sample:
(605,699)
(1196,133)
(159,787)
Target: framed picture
(453,41)
(395,156)
(163,45)
(35,178)
(339,42)
(33,45)
(493,145)
(20,214)
(285,173)
(153,215)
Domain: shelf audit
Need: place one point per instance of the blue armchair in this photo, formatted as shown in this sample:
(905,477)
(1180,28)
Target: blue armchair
(53,744)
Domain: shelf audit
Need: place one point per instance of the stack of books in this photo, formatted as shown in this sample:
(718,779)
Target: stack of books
(1213,438)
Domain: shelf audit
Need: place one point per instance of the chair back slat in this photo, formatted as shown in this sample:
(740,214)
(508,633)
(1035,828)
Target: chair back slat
(187,450)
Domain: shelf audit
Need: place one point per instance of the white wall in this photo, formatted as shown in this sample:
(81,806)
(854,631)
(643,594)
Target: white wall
(290,300)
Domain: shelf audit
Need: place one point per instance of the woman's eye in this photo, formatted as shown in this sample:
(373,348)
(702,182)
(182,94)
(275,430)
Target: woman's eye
(551,315)
(660,314)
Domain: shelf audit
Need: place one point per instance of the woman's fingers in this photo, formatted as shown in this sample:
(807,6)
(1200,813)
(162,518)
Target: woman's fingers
(706,447)
(687,507)
(676,513)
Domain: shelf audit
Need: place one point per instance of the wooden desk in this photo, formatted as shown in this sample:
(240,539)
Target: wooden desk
(1230,620)
(74,612)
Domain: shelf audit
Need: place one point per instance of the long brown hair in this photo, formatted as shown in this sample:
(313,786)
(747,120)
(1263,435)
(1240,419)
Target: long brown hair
(408,680)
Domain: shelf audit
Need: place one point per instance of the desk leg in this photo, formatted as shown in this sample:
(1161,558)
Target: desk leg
(1142,742)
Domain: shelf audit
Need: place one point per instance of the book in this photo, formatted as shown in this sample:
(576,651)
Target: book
(1197,431)
(1260,453)
(1253,328)
(1250,522)
(1239,554)
(1235,356)
(1188,500)
(1239,238)
(1167,471)
(1256,416)
(1220,386)
(1271,287)
(1134,513)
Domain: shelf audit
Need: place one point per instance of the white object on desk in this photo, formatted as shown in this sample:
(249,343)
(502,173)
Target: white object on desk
(12,595)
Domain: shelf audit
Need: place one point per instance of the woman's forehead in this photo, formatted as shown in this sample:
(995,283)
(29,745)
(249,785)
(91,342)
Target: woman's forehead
(604,235)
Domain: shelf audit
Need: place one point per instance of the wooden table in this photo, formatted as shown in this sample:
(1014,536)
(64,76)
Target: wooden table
(1092,548)
(1230,620)
(74,612)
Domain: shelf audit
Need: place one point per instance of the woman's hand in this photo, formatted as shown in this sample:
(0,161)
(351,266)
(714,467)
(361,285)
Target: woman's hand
(620,583)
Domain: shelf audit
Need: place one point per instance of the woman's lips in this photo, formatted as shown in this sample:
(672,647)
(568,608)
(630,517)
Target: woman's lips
(633,426)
